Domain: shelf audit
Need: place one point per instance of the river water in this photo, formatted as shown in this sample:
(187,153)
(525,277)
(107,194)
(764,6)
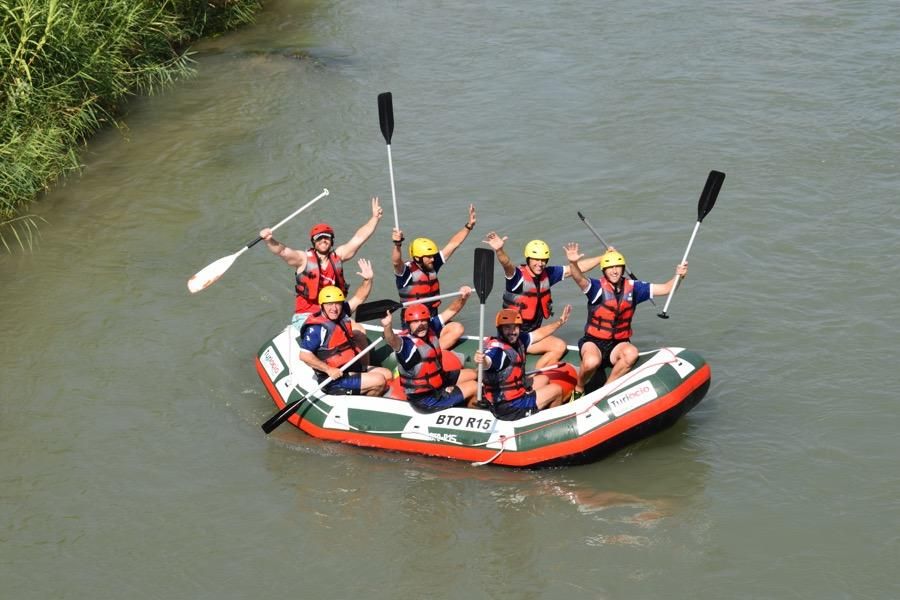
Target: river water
(133,465)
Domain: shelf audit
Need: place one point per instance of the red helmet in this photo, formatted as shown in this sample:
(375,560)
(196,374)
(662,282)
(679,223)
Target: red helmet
(416,312)
(319,230)
(509,316)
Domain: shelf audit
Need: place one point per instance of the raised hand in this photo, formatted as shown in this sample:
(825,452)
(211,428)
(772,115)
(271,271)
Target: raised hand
(572,253)
(471,223)
(365,268)
(377,211)
(495,241)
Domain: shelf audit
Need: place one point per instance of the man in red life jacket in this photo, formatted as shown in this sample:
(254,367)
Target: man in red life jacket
(611,303)
(510,393)
(322,263)
(329,339)
(418,278)
(528,289)
(419,356)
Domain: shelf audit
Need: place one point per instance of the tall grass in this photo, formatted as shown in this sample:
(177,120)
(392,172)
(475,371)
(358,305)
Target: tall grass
(65,68)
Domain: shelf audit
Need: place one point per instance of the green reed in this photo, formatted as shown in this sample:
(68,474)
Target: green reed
(65,68)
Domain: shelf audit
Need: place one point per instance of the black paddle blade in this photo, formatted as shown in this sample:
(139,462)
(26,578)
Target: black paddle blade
(484,273)
(710,193)
(369,311)
(386,115)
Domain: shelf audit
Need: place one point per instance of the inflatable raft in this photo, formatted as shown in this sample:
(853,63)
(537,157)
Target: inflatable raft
(664,385)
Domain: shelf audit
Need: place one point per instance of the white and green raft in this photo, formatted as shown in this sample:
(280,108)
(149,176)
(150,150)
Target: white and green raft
(664,385)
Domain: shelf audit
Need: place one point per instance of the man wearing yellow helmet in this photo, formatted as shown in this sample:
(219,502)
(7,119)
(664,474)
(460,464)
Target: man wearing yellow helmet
(418,278)
(322,263)
(329,339)
(611,303)
(510,393)
(528,289)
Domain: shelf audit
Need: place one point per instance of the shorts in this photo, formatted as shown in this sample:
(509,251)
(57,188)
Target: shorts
(516,409)
(345,386)
(605,346)
(448,397)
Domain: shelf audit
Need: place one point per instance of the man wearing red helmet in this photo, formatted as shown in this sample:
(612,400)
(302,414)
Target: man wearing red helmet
(322,263)
(418,278)
(510,393)
(419,358)
(611,303)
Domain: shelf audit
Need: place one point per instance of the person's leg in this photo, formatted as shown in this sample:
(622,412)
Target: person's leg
(590,362)
(548,396)
(622,357)
(372,383)
(551,347)
(450,334)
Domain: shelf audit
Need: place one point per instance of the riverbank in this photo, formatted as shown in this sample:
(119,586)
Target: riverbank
(65,69)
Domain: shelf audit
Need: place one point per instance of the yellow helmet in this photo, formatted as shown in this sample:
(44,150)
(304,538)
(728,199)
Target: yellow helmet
(537,249)
(612,259)
(330,293)
(422,247)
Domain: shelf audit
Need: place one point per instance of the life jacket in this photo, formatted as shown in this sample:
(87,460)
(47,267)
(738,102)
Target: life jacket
(337,347)
(508,383)
(533,301)
(427,376)
(420,285)
(310,281)
(610,317)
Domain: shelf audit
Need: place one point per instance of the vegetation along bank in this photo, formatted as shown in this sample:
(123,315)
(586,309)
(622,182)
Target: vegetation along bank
(65,68)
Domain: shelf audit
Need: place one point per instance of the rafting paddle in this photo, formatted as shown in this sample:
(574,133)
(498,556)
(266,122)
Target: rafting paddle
(704,205)
(284,414)
(211,273)
(484,281)
(386,120)
(628,271)
(370,311)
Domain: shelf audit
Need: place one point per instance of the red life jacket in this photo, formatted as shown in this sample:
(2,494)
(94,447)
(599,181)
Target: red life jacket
(310,281)
(533,301)
(610,317)
(427,376)
(337,347)
(508,383)
(421,285)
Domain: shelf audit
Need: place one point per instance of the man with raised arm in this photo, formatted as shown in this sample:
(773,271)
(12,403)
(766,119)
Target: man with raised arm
(428,387)
(321,264)
(611,303)
(418,278)
(528,290)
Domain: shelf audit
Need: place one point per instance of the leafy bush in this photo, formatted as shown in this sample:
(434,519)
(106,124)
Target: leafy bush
(65,67)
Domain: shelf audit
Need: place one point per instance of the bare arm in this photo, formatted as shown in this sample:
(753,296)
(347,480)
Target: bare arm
(363,291)
(663,289)
(584,265)
(396,254)
(457,304)
(391,338)
(318,364)
(295,258)
(348,249)
(549,329)
(574,256)
(496,243)
(460,236)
